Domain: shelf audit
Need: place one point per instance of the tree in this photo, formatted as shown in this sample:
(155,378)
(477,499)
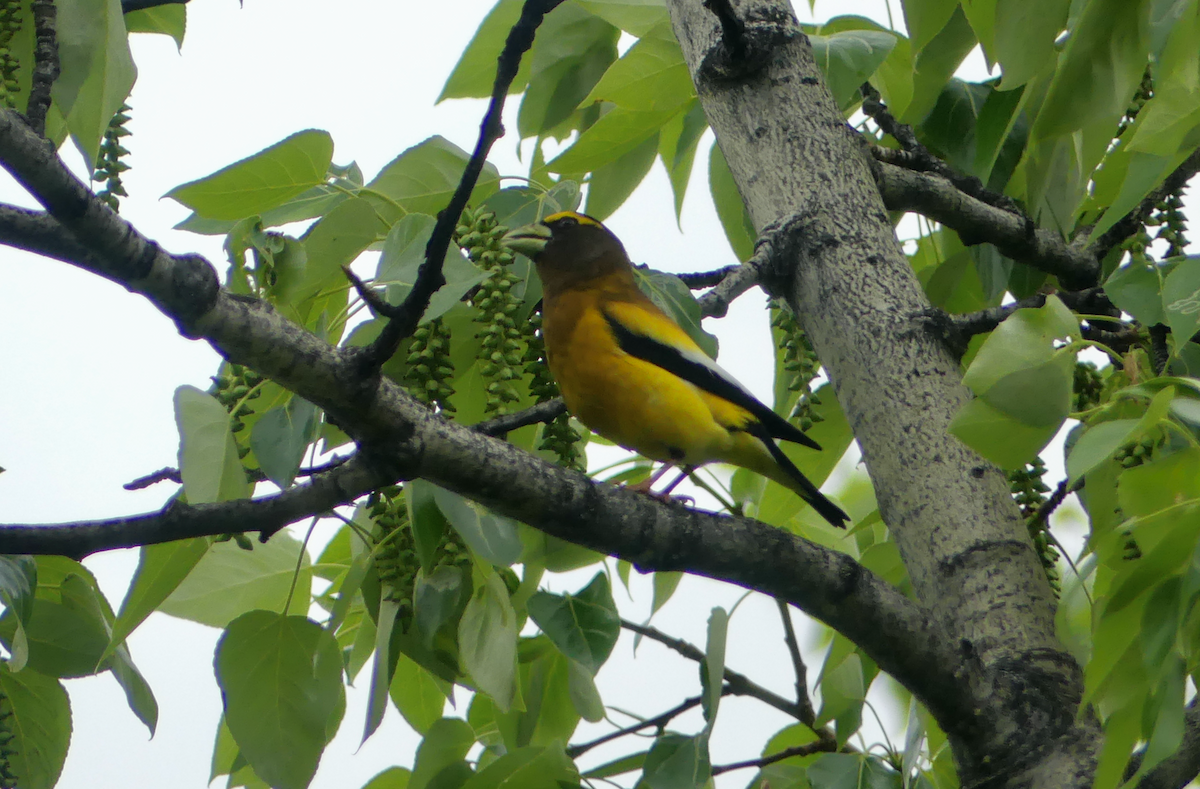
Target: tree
(460,464)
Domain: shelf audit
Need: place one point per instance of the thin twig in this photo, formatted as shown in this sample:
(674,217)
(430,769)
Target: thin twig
(916,156)
(1042,517)
(45,64)
(706,279)
(739,684)
(809,718)
(820,746)
(542,412)
(403,318)
(169,474)
(575,751)
(142,5)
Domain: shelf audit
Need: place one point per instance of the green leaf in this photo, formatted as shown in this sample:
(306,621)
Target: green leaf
(1005,441)
(584,627)
(18,582)
(625,764)
(527,768)
(437,600)
(423,178)
(229,582)
(714,663)
(676,761)
(445,744)
(650,77)
(1036,396)
(585,698)
(426,520)
(1157,486)
(1137,289)
(208,457)
(281,437)
(618,132)
(401,259)
(169,20)
(1023,41)
(677,143)
(487,641)
(1097,445)
(935,65)
(853,771)
(262,181)
(420,696)
(333,242)
(842,690)
(572,50)
(1181,299)
(40,722)
(612,183)
(1099,70)
(62,640)
(849,58)
(281,678)
(672,296)
(475,71)
(731,210)
(381,666)
(924,19)
(494,537)
(1024,340)
(81,594)
(391,778)
(636,17)
(97,69)
(665,584)
(160,570)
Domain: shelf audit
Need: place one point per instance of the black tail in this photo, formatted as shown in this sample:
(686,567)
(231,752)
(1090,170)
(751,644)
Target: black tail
(804,488)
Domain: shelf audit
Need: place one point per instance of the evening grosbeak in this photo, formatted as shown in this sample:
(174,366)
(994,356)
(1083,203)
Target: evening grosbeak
(630,373)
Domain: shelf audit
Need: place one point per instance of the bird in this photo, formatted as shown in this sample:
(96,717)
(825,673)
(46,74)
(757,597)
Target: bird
(630,373)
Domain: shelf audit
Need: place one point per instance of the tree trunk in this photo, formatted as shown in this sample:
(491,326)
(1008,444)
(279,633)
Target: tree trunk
(801,168)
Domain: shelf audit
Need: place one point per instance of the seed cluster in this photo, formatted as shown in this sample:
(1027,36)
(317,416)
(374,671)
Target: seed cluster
(801,364)
(109,164)
(429,369)
(10,24)
(396,561)
(557,435)
(503,350)
(1087,387)
(8,779)
(1029,489)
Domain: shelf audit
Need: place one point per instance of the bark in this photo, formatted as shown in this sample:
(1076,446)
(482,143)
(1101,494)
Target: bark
(803,171)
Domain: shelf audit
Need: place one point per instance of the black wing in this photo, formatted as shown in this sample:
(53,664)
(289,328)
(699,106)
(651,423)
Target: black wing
(708,377)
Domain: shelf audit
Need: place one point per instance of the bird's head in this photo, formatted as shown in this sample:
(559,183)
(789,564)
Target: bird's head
(569,247)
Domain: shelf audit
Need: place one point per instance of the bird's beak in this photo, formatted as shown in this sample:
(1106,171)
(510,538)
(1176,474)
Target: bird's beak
(529,240)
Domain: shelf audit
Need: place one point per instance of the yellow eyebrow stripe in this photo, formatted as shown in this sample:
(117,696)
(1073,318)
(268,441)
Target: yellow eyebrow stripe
(582,219)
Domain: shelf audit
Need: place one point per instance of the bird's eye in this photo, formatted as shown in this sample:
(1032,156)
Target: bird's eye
(567,221)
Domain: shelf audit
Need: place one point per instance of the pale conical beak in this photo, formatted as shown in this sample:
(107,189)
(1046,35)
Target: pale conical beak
(529,240)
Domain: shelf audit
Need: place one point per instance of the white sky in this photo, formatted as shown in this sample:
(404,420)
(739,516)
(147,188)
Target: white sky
(89,369)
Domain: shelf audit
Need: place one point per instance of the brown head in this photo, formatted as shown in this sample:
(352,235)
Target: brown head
(569,249)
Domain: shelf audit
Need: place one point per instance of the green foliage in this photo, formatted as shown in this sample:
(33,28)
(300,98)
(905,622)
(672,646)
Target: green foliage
(11,18)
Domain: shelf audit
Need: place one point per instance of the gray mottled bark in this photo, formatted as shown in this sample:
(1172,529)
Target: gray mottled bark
(801,168)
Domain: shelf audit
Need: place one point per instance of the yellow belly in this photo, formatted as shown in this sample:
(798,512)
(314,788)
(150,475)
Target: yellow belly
(635,403)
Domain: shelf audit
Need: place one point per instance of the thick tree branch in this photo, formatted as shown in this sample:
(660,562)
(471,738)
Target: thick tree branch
(42,234)
(178,521)
(975,221)
(402,439)
(403,318)
(45,64)
(706,279)
(958,329)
